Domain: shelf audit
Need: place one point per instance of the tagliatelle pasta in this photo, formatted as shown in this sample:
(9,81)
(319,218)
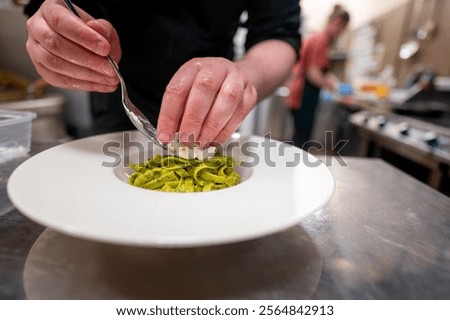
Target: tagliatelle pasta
(175,174)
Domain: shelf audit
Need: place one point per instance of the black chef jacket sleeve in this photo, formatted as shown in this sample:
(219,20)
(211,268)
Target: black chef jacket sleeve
(270,19)
(90,6)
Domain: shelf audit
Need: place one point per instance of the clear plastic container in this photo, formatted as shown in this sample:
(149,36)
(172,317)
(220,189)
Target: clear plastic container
(15,133)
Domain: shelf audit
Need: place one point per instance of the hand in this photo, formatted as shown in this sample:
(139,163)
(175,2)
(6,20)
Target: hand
(205,101)
(69,52)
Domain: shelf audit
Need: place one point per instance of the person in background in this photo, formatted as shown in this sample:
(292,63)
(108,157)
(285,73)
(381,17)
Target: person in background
(176,58)
(309,75)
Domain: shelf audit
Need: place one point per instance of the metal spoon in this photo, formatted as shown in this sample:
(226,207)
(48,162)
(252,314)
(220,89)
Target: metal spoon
(139,120)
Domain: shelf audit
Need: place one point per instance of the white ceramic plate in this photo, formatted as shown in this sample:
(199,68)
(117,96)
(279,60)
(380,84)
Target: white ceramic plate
(74,189)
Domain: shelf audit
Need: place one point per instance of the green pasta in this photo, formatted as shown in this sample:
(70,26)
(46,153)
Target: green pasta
(175,174)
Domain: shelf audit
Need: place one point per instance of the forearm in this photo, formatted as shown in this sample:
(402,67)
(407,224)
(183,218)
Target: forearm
(319,79)
(268,65)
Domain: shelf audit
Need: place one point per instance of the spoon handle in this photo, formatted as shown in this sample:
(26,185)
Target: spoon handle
(71,7)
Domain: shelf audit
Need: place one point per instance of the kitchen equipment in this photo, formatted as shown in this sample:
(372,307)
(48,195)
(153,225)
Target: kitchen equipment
(139,120)
(412,46)
(15,140)
(49,123)
(18,93)
(423,108)
(409,49)
(429,99)
(14,87)
(415,136)
(424,32)
(417,145)
(427,29)
(15,134)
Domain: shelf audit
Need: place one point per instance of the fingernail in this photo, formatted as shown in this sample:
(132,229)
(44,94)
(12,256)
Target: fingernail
(100,48)
(164,137)
(202,141)
(107,69)
(184,137)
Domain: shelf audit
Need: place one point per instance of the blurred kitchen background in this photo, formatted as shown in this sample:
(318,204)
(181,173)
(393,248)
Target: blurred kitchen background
(394,58)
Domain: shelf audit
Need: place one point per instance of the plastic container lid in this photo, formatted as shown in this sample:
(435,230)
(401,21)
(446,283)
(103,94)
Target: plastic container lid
(9,117)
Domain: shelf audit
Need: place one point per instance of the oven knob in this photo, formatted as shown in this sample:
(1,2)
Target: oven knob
(381,121)
(431,138)
(403,128)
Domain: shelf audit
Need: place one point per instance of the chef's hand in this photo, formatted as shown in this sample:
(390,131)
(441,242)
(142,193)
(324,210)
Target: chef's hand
(205,101)
(69,52)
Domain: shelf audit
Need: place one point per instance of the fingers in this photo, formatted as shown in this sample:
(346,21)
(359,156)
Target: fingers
(69,52)
(228,99)
(206,101)
(85,64)
(248,102)
(64,24)
(68,82)
(174,100)
(202,96)
(106,30)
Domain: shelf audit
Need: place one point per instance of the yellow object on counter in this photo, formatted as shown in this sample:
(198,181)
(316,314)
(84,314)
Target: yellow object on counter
(382,91)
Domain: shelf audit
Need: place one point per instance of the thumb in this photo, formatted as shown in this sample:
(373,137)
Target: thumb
(107,30)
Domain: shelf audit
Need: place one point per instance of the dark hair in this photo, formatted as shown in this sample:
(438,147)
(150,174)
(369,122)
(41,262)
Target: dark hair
(339,12)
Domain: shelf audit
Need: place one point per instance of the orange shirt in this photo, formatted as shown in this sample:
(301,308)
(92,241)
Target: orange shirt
(313,52)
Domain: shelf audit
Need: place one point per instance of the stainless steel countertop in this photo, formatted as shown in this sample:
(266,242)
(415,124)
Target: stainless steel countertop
(383,236)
